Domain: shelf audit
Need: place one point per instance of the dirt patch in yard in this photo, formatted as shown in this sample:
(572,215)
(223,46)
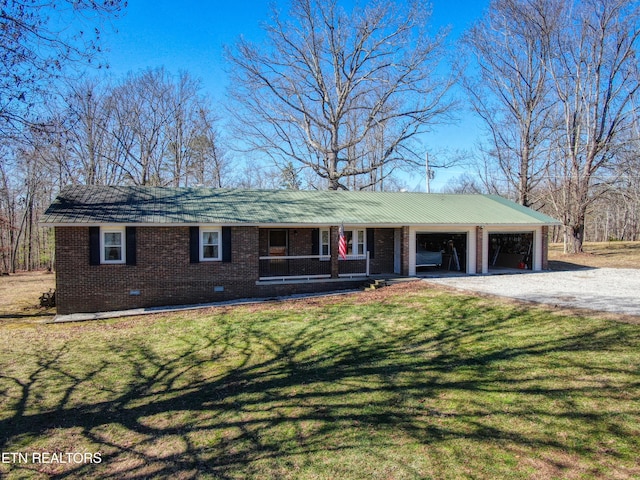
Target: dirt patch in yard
(20,297)
(596,255)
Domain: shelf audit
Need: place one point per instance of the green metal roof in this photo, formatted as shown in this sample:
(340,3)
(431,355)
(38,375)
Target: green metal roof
(95,205)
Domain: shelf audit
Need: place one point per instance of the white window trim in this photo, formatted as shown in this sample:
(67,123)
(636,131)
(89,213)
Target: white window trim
(123,245)
(354,236)
(204,230)
(328,255)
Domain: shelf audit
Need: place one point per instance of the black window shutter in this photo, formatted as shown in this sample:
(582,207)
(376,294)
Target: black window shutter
(94,245)
(315,241)
(194,244)
(130,233)
(371,243)
(226,244)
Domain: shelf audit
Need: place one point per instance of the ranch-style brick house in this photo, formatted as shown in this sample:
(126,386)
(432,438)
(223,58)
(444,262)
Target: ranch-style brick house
(132,247)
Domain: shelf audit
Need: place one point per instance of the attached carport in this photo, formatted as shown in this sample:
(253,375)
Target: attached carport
(513,248)
(484,233)
(482,249)
(442,250)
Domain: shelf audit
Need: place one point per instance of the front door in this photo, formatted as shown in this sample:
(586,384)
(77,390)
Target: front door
(278,243)
(278,247)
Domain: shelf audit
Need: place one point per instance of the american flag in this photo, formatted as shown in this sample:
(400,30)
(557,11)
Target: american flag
(342,243)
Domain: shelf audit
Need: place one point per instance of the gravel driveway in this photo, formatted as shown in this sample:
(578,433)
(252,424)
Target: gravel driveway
(614,290)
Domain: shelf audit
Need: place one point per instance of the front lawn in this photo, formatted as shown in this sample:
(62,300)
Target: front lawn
(404,382)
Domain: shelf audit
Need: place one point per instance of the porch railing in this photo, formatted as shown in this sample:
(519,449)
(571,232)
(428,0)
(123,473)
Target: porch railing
(295,267)
(354,266)
(303,267)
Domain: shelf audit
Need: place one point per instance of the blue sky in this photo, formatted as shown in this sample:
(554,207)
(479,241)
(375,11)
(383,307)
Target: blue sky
(189,36)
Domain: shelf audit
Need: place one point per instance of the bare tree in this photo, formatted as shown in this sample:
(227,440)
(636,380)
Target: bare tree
(209,163)
(183,124)
(84,130)
(38,40)
(144,111)
(463,184)
(8,214)
(256,175)
(510,89)
(558,86)
(151,129)
(25,191)
(594,64)
(327,81)
(165,131)
(615,211)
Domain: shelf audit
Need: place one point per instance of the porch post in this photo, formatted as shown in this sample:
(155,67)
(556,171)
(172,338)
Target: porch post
(480,250)
(333,235)
(404,252)
(545,248)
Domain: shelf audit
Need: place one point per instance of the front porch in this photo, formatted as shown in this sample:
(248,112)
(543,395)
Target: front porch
(311,254)
(311,267)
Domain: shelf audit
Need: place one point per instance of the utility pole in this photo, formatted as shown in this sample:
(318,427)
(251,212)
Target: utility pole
(429,174)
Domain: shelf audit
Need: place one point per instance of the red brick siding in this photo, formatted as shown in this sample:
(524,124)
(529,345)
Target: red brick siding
(163,274)
(479,250)
(383,251)
(274,290)
(404,251)
(334,238)
(545,248)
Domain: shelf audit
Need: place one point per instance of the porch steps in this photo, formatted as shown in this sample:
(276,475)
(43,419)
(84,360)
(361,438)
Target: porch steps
(377,283)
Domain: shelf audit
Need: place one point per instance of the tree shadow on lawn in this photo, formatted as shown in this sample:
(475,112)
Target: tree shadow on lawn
(333,397)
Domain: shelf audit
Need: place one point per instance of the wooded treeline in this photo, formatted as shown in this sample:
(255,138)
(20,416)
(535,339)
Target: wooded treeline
(151,129)
(557,85)
(335,98)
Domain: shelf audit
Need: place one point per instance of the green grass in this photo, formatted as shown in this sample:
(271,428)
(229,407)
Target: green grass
(405,382)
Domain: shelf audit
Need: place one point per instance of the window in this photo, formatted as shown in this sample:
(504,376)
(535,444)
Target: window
(355,242)
(210,244)
(325,243)
(112,245)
